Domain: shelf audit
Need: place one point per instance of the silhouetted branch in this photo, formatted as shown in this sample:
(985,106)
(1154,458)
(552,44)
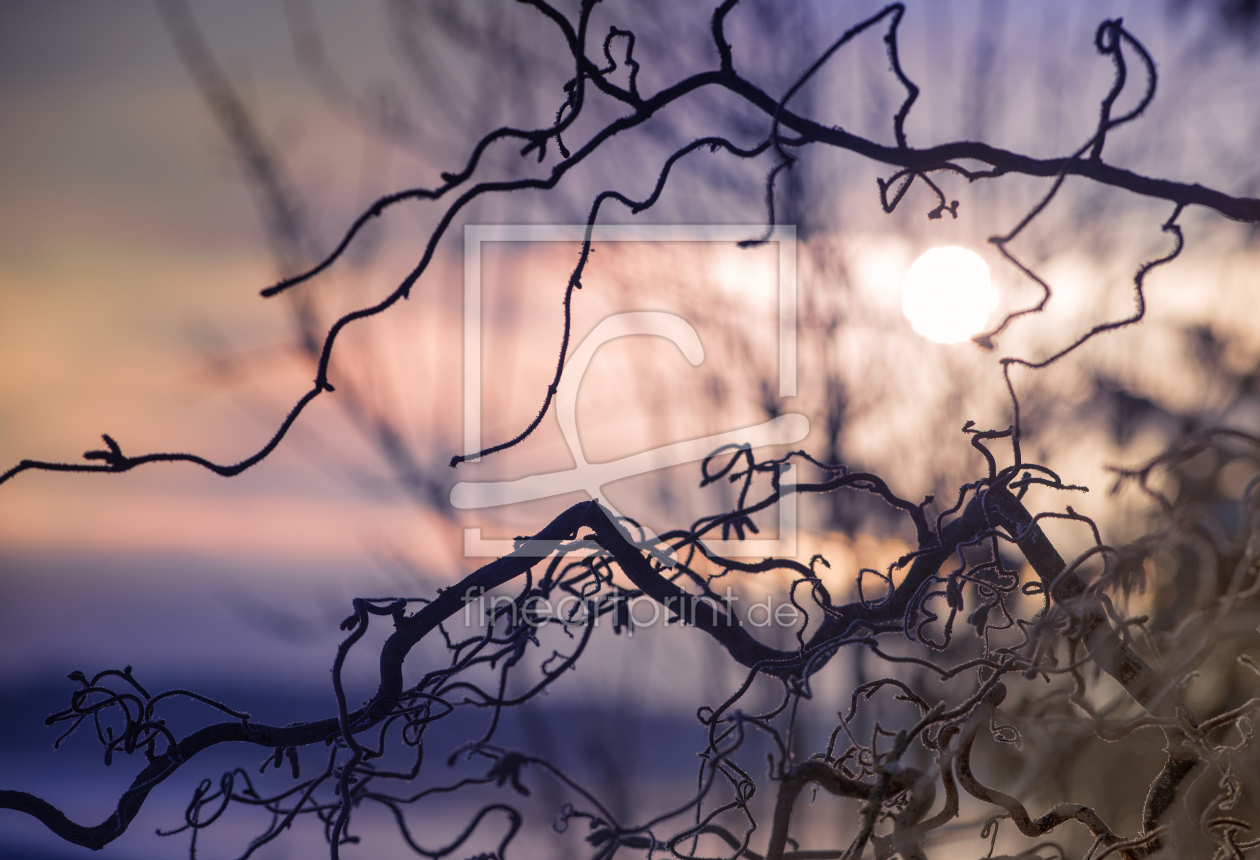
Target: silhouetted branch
(947,624)
(921,161)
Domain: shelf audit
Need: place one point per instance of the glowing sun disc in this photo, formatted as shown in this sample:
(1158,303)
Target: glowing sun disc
(947,294)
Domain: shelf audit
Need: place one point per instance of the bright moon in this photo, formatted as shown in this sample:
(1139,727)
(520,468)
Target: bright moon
(947,294)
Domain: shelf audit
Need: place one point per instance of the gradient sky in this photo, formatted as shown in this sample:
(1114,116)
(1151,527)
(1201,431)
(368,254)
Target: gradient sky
(130,251)
(129,246)
(131,254)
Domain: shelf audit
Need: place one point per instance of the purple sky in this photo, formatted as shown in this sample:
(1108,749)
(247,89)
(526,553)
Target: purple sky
(130,251)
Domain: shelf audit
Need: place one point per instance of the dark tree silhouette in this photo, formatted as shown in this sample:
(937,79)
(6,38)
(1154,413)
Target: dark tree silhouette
(972,645)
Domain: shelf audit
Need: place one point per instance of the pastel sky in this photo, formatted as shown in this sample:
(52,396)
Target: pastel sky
(132,255)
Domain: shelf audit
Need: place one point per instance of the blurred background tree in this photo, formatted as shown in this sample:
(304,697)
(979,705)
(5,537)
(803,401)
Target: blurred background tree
(407,95)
